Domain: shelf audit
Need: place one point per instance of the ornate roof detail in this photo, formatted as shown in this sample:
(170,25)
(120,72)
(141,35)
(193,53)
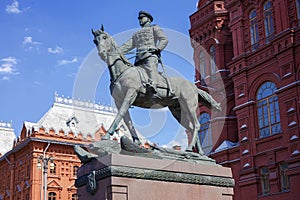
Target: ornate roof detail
(72,124)
(6,125)
(83,104)
(70,119)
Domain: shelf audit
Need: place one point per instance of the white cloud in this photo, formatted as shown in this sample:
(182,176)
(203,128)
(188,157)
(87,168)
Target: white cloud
(30,44)
(13,8)
(8,65)
(164,109)
(5,78)
(10,59)
(57,50)
(6,68)
(29,40)
(172,143)
(180,140)
(65,62)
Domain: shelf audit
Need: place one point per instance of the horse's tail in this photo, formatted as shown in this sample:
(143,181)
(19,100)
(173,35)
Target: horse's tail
(207,100)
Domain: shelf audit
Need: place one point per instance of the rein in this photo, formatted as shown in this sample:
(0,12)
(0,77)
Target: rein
(110,66)
(113,81)
(120,58)
(133,52)
(114,49)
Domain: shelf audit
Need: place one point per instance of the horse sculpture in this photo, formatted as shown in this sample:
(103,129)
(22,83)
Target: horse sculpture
(128,88)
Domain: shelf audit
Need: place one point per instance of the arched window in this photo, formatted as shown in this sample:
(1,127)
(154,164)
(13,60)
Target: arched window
(202,65)
(268,20)
(74,197)
(51,196)
(298,11)
(204,133)
(253,29)
(212,52)
(268,110)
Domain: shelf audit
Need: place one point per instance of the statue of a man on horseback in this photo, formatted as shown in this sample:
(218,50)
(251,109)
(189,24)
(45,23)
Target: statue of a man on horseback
(149,41)
(128,81)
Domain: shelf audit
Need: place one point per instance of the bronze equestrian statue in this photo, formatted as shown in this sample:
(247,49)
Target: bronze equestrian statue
(128,88)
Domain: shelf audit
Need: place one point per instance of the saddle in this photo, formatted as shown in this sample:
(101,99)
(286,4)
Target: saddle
(162,88)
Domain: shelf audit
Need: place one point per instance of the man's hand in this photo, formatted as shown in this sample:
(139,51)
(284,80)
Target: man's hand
(155,51)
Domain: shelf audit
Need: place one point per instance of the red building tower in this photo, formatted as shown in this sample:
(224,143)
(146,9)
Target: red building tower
(212,43)
(255,46)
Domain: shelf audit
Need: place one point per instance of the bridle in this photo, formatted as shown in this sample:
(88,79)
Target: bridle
(113,48)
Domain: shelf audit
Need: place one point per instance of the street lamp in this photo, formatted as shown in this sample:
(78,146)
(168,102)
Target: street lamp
(43,164)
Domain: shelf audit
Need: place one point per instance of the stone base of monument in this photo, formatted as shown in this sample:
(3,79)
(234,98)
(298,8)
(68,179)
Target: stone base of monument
(125,177)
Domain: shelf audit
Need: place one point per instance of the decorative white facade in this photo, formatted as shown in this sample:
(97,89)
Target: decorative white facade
(7,137)
(79,117)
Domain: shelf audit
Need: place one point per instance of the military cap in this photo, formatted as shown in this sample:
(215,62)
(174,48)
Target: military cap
(144,13)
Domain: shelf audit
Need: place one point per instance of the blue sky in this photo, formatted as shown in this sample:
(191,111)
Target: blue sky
(44,43)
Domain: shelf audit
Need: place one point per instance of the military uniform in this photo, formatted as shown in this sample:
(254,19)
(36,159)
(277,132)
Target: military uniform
(148,41)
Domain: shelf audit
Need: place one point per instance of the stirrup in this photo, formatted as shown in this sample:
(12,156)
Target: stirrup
(171,92)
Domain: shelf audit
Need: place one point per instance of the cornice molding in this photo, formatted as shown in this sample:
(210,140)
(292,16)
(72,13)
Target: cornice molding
(157,175)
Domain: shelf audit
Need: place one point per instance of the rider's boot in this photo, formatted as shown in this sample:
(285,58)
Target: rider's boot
(136,140)
(151,87)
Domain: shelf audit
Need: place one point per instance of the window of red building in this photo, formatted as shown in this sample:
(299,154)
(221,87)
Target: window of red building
(28,171)
(212,52)
(204,133)
(268,21)
(284,179)
(203,64)
(53,169)
(19,175)
(268,110)
(74,197)
(253,30)
(298,11)
(52,196)
(75,169)
(264,178)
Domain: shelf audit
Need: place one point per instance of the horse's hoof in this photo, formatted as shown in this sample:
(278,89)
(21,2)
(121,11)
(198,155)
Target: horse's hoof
(106,137)
(84,155)
(189,148)
(138,142)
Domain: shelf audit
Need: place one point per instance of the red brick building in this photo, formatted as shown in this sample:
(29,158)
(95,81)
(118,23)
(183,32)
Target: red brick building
(67,123)
(255,46)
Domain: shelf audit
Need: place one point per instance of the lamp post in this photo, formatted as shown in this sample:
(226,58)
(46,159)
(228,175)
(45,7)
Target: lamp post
(43,164)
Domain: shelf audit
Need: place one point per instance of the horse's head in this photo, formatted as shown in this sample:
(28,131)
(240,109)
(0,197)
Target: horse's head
(104,42)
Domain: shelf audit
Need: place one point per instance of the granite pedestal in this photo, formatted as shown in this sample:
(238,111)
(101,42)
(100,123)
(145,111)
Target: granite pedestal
(124,177)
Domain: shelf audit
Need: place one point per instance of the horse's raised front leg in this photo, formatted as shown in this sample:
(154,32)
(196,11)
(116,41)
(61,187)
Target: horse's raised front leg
(124,106)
